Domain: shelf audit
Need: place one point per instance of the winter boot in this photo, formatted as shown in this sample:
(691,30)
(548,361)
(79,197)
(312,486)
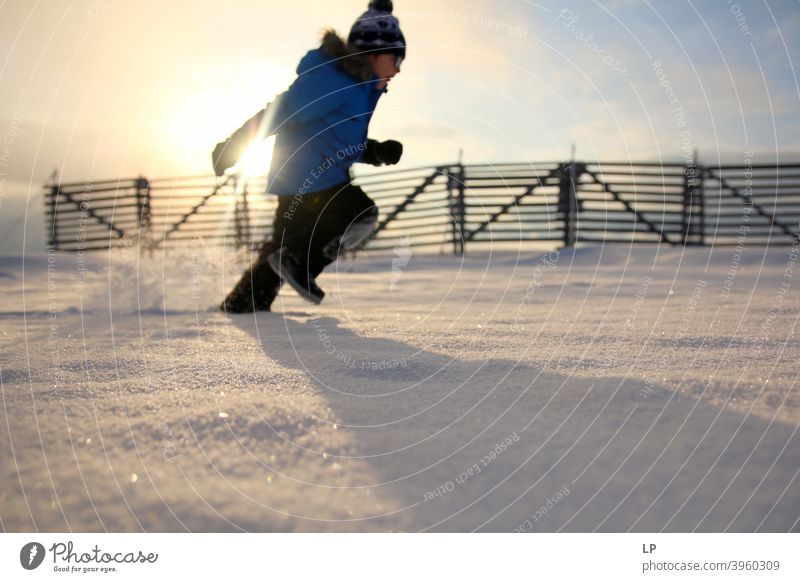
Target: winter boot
(255,291)
(294,271)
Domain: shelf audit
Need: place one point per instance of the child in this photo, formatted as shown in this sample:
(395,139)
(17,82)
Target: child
(321,125)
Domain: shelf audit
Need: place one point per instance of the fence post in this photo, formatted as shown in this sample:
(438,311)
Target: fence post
(688,173)
(451,207)
(241,214)
(462,209)
(567,200)
(237,224)
(456,193)
(143,210)
(52,234)
(693,221)
(701,206)
(247,236)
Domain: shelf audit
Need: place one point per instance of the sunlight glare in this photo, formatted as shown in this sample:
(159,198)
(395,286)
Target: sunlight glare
(256,158)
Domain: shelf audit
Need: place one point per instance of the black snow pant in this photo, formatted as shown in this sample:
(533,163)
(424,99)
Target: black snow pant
(312,226)
(316,227)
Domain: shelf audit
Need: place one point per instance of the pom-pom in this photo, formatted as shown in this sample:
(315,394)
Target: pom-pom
(382,5)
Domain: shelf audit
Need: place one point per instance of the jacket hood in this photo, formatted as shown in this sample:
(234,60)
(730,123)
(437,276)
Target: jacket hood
(334,50)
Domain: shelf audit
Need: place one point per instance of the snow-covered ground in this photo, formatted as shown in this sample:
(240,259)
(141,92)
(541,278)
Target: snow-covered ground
(608,388)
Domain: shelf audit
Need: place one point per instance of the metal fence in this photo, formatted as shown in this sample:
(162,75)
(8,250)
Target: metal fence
(450,208)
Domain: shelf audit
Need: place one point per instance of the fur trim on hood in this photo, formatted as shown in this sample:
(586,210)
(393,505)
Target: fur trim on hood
(351,60)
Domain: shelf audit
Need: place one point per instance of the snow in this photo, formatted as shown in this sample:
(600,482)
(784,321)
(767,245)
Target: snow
(606,388)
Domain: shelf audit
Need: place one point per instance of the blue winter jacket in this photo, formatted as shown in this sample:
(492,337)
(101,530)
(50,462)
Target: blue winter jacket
(321,125)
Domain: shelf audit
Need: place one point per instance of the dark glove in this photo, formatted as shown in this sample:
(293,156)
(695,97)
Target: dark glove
(377,153)
(227,153)
(223,157)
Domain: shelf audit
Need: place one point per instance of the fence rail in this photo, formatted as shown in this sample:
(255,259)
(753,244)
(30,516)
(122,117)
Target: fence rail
(451,207)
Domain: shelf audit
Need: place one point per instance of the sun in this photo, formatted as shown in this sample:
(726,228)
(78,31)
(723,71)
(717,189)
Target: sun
(256,159)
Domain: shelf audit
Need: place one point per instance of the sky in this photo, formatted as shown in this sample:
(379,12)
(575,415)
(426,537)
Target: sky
(99,89)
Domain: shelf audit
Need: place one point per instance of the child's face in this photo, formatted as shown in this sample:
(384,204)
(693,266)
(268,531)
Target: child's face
(385,66)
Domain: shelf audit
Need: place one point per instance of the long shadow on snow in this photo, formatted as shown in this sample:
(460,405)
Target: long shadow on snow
(574,454)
